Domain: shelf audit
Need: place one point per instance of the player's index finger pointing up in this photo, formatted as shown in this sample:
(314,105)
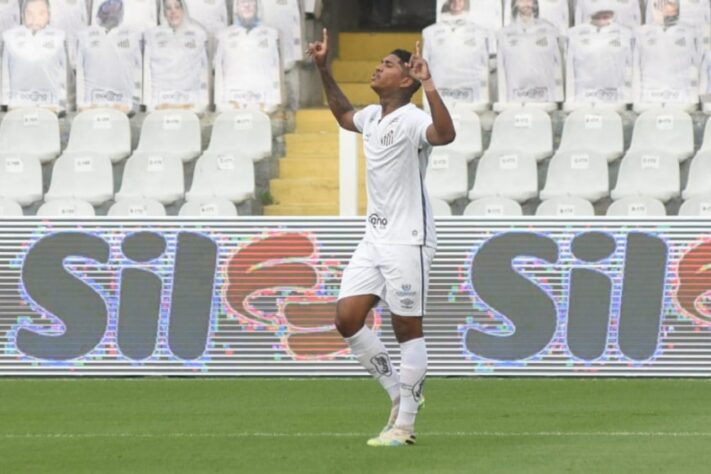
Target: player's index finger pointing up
(417,49)
(325,37)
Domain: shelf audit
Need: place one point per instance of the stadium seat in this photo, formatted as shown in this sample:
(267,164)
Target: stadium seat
(86,176)
(174,133)
(649,174)
(508,175)
(523,130)
(637,206)
(30,131)
(20,178)
(567,206)
(493,207)
(66,208)
(664,131)
(696,206)
(593,129)
(136,207)
(213,207)
(446,176)
(440,208)
(468,127)
(222,175)
(577,173)
(247,132)
(699,182)
(153,176)
(706,141)
(9,208)
(105,131)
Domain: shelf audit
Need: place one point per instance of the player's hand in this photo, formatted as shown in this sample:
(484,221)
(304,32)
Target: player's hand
(418,67)
(319,50)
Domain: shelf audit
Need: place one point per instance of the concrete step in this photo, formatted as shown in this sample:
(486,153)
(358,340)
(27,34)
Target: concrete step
(315,121)
(374,46)
(319,168)
(302,144)
(295,191)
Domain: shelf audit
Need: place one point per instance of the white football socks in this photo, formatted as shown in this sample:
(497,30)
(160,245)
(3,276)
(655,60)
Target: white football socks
(412,377)
(372,354)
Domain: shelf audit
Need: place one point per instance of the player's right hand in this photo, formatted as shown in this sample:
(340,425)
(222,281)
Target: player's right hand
(319,50)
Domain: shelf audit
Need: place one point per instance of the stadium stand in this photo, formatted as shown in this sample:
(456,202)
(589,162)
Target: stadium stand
(222,175)
(699,181)
(565,206)
(82,175)
(523,130)
(509,175)
(468,126)
(66,208)
(20,128)
(137,207)
(637,206)
(247,133)
(173,133)
(696,207)
(20,178)
(666,131)
(105,131)
(440,207)
(446,176)
(595,130)
(9,208)
(153,176)
(577,174)
(652,174)
(211,207)
(493,207)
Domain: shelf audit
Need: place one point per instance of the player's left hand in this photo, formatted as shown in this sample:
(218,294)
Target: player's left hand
(418,67)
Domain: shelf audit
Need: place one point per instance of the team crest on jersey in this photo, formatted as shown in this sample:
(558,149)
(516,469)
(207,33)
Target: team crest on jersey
(388,138)
(124,44)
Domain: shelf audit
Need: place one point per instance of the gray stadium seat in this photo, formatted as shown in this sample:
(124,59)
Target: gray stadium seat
(174,133)
(637,206)
(154,176)
(440,208)
(696,206)
(136,207)
(653,174)
(593,129)
(66,208)
(566,206)
(86,176)
(105,131)
(9,208)
(664,130)
(247,132)
(20,178)
(212,207)
(446,176)
(21,129)
(523,130)
(577,173)
(223,175)
(508,175)
(493,207)
(699,182)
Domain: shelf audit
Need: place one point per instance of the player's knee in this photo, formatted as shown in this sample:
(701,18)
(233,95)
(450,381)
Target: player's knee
(347,323)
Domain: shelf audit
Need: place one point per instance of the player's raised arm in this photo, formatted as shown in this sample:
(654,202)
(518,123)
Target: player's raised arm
(441,131)
(337,100)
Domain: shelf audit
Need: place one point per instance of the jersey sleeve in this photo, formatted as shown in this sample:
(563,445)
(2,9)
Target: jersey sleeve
(360,117)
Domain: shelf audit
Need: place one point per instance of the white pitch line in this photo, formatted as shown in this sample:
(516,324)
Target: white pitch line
(463,434)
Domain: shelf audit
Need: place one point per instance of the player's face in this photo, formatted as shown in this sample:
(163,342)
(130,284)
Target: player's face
(174,13)
(36,16)
(456,7)
(525,7)
(390,75)
(246,9)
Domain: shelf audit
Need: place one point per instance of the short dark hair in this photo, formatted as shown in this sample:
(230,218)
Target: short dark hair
(405,56)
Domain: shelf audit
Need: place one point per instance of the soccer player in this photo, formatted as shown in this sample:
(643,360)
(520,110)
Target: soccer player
(109,63)
(485,13)
(138,15)
(529,58)
(392,261)
(247,63)
(458,55)
(627,12)
(34,61)
(175,62)
(553,11)
(666,63)
(599,61)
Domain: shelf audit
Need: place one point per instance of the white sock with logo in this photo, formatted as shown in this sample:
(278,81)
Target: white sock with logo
(413,369)
(372,354)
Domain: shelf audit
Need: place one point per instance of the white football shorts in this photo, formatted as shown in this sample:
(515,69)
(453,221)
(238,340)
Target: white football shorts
(398,274)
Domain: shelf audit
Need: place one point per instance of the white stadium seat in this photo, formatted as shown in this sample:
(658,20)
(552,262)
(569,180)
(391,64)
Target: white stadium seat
(105,131)
(649,174)
(699,182)
(637,206)
(66,208)
(468,127)
(30,131)
(247,132)
(86,176)
(593,129)
(222,175)
(523,130)
(493,207)
(696,206)
(706,141)
(20,178)
(9,208)
(173,133)
(213,207)
(577,173)
(508,175)
(440,208)
(446,176)
(567,206)
(136,207)
(664,130)
(153,176)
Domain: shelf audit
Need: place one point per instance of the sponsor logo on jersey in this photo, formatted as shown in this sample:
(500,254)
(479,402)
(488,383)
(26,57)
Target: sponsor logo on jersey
(378,222)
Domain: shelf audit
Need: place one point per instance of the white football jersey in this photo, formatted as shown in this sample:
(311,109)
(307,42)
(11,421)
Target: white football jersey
(247,68)
(553,11)
(599,64)
(666,64)
(691,12)
(529,63)
(9,14)
(109,67)
(210,14)
(458,56)
(627,12)
(175,67)
(138,15)
(396,154)
(285,16)
(486,13)
(34,68)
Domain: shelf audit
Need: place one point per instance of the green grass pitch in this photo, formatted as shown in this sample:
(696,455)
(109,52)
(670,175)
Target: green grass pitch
(478,425)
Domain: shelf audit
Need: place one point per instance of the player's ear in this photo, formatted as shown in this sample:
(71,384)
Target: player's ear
(406,81)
